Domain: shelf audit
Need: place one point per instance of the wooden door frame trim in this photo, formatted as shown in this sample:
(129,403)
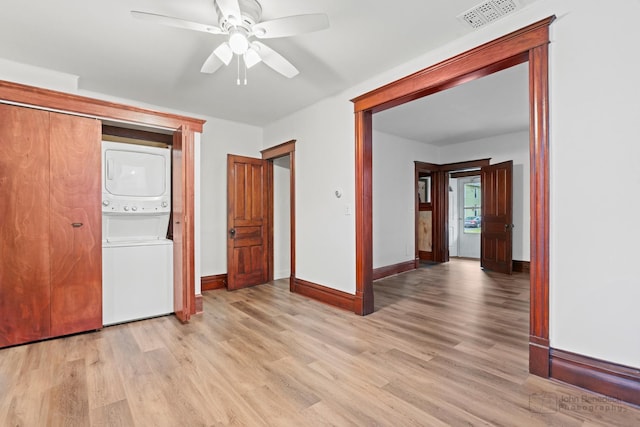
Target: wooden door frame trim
(527,44)
(285,149)
(50,100)
(440,204)
(75,104)
(450,167)
(418,168)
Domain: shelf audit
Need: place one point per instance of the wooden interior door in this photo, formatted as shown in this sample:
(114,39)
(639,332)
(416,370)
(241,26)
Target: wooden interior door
(424,221)
(24,225)
(497,217)
(247,221)
(432,221)
(182,225)
(75,224)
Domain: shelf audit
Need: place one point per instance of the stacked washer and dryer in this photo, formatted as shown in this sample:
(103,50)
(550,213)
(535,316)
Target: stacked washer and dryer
(137,257)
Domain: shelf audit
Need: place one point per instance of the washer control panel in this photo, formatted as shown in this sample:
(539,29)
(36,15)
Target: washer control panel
(109,205)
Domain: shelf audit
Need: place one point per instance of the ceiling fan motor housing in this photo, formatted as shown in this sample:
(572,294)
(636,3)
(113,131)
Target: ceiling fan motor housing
(251,14)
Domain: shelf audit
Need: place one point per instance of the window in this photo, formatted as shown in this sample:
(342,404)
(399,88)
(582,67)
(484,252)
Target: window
(472,207)
(424,189)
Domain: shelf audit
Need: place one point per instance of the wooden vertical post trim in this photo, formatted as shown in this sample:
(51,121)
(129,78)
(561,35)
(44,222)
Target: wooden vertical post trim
(292,215)
(363,303)
(539,152)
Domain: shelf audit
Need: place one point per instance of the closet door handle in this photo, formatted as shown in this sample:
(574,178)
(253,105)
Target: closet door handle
(76,224)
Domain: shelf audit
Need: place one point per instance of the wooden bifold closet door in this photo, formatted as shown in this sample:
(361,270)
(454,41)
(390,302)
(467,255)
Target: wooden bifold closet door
(24,225)
(75,225)
(50,225)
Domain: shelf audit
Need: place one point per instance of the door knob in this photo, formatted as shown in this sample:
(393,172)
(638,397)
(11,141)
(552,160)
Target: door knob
(232,233)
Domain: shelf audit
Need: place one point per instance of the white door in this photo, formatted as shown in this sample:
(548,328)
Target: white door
(469,216)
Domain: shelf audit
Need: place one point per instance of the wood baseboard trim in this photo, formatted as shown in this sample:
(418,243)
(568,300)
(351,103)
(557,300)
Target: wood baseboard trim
(209,283)
(390,270)
(539,356)
(323,294)
(521,266)
(199,304)
(617,381)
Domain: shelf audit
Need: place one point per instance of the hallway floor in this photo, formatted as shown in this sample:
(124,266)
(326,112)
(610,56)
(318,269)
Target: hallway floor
(447,345)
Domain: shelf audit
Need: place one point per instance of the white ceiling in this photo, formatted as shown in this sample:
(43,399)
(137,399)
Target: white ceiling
(118,55)
(493,105)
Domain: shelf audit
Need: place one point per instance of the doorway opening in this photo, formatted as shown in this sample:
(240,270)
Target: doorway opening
(469,219)
(529,44)
(261,198)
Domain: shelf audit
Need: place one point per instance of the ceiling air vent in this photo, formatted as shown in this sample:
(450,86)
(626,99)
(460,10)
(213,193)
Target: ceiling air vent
(487,12)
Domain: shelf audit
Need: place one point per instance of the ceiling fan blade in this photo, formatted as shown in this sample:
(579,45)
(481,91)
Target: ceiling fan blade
(211,64)
(290,25)
(221,55)
(274,60)
(251,57)
(231,10)
(176,22)
(224,52)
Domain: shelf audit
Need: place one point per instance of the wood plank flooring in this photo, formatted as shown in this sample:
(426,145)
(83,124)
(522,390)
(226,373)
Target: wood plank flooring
(447,345)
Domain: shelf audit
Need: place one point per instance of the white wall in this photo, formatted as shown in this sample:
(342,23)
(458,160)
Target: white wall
(512,146)
(394,216)
(393,183)
(325,159)
(281,218)
(219,138)
(593,133)
(595,152)
(35,76)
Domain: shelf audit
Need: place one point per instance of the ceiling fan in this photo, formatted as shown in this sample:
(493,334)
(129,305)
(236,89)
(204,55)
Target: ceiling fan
(240,21)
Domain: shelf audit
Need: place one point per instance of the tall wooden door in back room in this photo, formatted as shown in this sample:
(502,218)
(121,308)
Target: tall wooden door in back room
(497,216)
(247,222)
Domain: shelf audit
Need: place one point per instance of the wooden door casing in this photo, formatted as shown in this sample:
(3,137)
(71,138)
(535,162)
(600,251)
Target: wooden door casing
(75,225)
(24,225)
(497,217)
(183,224)
(247,220)
(44,99)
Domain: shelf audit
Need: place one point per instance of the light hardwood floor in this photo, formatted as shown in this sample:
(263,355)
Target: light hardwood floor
(447,345)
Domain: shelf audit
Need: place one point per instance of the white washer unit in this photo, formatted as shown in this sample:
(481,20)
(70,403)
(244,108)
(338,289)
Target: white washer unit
(137,258)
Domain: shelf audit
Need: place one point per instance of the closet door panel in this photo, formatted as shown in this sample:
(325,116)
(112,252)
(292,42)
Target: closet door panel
(76,230)
(24,225)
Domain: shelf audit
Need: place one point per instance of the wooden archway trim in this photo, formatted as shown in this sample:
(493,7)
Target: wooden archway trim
(285,149)
(527,44)
(499,54)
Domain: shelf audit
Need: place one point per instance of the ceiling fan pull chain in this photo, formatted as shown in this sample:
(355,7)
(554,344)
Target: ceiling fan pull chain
(245,72)
(238,69)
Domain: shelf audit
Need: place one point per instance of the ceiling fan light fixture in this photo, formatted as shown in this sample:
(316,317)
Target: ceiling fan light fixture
(251,58)
(238,42)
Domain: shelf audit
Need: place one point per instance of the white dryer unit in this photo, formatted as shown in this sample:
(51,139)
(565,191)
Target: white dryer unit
(137,257)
